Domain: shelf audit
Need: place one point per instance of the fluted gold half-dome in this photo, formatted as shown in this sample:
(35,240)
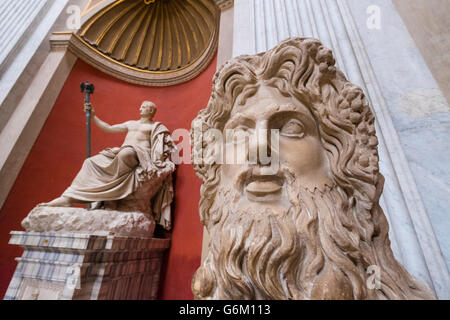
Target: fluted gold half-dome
(153,35)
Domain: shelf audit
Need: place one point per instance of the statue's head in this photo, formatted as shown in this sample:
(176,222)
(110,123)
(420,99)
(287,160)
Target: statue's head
(148,109)
(311,227)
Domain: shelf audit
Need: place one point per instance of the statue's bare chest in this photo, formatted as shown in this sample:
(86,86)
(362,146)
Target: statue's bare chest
(142,129)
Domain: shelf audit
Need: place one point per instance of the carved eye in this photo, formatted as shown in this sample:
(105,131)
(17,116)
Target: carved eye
(293,128)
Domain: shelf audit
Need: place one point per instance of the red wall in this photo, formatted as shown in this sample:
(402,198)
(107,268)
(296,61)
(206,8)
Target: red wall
(60,149)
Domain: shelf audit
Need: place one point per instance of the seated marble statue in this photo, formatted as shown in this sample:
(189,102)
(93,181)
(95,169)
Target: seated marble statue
(127,177)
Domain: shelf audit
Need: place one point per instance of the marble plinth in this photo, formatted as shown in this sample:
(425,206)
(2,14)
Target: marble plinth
(76,266)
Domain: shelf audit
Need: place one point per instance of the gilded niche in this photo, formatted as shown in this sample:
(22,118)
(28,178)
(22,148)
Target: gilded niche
(310,226)
(153,36)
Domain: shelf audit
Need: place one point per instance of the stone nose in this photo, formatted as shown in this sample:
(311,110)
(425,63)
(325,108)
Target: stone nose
(260,146)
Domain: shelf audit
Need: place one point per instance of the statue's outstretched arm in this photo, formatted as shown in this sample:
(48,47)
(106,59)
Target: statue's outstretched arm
(117,128)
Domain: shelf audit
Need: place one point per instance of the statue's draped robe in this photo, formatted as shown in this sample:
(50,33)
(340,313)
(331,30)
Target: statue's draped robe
(106,177)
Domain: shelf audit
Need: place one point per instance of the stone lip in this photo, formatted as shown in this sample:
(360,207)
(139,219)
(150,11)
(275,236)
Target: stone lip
(78,220)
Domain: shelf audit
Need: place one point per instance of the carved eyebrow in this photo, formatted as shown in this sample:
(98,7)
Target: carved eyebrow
(278,109)
(278,118)
(287,107)
(239,119)
(276,112)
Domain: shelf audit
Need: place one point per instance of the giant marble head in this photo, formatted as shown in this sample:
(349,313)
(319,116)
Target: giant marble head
(311,226)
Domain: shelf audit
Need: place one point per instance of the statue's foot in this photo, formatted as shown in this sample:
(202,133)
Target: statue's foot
(59,202)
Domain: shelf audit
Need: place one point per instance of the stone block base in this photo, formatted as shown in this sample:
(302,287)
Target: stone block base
(75,266)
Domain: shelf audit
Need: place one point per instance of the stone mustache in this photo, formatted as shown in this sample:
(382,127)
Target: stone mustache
(313,228)
(131,185)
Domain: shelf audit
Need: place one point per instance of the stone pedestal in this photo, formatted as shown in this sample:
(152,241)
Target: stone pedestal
(77,266)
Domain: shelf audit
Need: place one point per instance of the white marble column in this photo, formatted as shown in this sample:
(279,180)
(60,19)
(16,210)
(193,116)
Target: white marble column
(261,24)
(30,79)
(23,27)
(15,18)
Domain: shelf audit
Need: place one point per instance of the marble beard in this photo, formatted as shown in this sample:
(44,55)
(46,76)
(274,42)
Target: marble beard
(320,245)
